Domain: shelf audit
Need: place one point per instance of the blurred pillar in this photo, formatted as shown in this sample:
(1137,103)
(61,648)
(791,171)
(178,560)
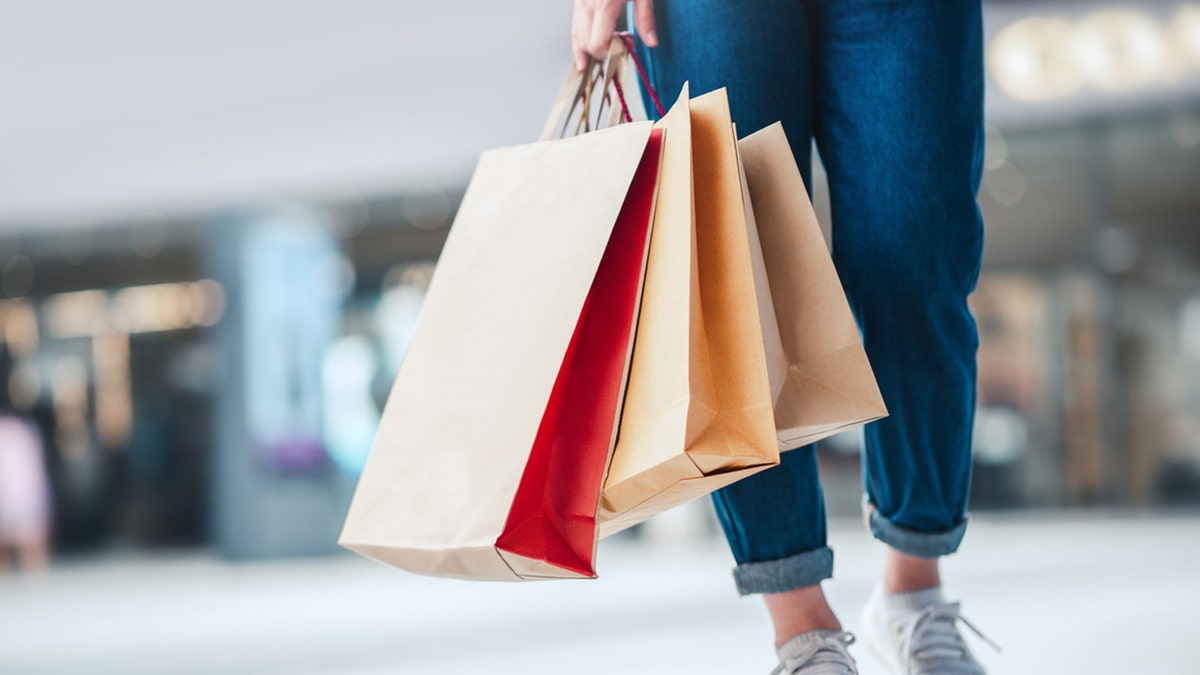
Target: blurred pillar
(1100,340)
(274,491)
(1086,414)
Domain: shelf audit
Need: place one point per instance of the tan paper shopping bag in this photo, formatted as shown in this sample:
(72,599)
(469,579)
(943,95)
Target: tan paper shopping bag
(772,343)
(825,383)
(698,410)
(490,455)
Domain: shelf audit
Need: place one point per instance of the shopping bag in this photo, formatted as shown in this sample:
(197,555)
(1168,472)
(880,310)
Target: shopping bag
(772,342)
(492,447)
(823,384)
(698,413)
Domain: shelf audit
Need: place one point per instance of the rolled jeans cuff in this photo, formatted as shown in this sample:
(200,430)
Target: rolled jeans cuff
(914,543)
(784,574)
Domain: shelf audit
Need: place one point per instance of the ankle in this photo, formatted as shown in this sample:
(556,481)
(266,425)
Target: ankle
(800,611)
(904,573)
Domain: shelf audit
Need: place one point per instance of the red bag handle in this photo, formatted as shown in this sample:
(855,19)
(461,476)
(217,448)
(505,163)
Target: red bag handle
(627,38)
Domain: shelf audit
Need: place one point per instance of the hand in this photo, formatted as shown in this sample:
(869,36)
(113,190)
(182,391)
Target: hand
(593,23)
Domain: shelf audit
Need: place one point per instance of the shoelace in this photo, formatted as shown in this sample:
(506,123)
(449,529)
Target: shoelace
(828,656)
(933,633)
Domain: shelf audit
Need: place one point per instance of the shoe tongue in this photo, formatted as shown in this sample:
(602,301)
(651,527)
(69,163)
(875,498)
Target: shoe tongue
(802,641)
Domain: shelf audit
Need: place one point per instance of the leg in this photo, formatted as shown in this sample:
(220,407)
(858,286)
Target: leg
(899,125)
(903,573)
(758,52)
(774,521)
(899,87)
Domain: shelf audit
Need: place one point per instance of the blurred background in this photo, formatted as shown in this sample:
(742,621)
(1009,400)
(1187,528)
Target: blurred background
(217,222)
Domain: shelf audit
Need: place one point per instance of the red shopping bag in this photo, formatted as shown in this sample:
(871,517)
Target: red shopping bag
(493,446)
(553,516)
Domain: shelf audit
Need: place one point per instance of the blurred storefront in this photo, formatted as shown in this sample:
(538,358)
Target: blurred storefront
(216,379)
(213,381)
(1092,270)
(104,346)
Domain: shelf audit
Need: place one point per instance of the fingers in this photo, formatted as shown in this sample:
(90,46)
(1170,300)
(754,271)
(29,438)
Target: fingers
(581,20)
(593,23)
(604,22)
(643,13)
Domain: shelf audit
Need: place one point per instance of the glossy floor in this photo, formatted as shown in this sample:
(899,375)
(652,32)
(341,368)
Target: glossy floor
(1062,593)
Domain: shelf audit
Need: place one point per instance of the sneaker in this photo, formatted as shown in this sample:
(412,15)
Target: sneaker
(920,641)
(817,652)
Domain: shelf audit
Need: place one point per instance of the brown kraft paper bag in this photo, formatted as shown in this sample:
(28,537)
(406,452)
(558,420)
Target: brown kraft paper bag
(698,413)
(825,383)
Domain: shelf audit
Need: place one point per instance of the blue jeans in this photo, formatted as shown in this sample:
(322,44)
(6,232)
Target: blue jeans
(892,92)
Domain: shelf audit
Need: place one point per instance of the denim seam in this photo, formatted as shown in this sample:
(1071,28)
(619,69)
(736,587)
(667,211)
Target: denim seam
(784,574)
(916,543)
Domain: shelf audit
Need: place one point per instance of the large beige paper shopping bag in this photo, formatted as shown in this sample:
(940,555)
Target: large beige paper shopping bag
(698,410)
(491,451)
(823,384)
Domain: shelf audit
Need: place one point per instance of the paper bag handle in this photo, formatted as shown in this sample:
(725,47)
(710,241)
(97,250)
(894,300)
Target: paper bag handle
(578,87)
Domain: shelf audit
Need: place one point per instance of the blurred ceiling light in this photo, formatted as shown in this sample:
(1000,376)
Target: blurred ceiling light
(208,302)
(1185,32)
(995,151)
(174,306)
(1005,184)
(149,309)
(137,309)
(1120,49)
(1031,59)
(76,315)
(186,305)
(16,279)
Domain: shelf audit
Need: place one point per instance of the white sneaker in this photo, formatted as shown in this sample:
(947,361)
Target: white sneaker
(919,641)
(817,652)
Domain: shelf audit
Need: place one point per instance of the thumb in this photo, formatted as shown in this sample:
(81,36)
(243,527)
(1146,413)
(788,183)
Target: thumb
(643,13)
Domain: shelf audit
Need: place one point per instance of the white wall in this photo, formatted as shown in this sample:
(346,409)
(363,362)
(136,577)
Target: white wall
(125,106)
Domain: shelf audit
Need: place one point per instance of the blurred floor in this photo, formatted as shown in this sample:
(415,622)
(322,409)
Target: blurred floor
(1062,593)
